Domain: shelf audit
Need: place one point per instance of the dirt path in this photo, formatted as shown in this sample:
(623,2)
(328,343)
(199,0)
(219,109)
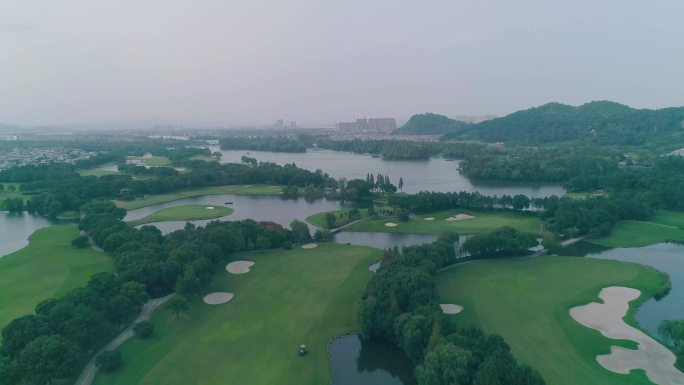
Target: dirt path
(90,370)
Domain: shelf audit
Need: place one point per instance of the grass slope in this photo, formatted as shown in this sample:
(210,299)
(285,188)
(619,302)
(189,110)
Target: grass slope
(483,222)
(664,226)
(289,298)
(47,267)
(527,301)
(184,213)
(150,200)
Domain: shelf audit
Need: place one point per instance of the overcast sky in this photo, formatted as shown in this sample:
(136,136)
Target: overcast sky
(318,61)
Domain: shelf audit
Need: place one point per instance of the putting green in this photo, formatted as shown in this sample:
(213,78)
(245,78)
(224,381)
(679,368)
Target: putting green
(665,226)
(257,189)
(527,302)
(184,213)
(294,297)
(483,222)
(47,267)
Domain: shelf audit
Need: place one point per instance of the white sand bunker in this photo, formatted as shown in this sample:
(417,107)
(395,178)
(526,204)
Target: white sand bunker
(217,298)
(655,359)
(391,224)
(450,308)
(429,218)
(310,246)
(239,267)
(210,207)
(460,217)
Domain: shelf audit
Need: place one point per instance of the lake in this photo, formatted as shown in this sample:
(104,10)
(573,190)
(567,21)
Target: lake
(357,362)
(16,228)
(434,174)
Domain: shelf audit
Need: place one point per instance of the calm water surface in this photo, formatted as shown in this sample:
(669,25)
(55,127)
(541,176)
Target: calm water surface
(666,257)
(16,228)
(357,362)
(435,174)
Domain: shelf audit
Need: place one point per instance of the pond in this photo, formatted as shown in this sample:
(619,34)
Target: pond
(435,174)
(666,257)
(358,362)
(383,240)
(258,207)
(16,228)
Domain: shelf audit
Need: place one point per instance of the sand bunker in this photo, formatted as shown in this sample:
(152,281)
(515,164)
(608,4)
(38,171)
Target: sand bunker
(217,298)
(391,224)
(374,267)
(210,207)
(460,217)
(239,267)
(310,246)
(655,359)
(429,218)
(450,308)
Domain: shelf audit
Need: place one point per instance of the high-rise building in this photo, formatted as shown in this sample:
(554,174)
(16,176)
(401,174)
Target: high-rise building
(362,124)
(382,124)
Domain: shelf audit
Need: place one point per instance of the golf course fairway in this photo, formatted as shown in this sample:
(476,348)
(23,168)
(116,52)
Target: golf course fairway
(482,223)
(288,298)
(527,301)
(49,266)
(184,213)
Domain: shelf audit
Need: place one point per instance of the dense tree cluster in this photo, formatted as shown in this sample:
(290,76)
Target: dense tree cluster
(672,332)
(274,144)
(503,242)
(401,305)
(63,333)
(431,124)
(599,122)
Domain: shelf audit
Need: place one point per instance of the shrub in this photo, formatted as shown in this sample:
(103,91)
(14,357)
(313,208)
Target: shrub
(109,361)
(144,329)
(81,242)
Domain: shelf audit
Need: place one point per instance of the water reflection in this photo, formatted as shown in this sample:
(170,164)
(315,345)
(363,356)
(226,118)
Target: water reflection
(435,174)
(16,228)
(357,362)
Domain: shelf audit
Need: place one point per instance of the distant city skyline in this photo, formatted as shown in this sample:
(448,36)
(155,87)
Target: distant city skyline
(251,63)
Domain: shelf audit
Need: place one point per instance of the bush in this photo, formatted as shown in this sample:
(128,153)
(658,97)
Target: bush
(287,245)
(403,216)
(109,361)
(323,236)
(81,242)
(144,329)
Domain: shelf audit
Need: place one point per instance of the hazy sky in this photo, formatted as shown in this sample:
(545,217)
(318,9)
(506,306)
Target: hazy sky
(318,61)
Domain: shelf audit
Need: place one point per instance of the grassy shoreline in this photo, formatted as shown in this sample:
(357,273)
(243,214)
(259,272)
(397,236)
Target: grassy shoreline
(184,213)
(49,266)
(664,226)
(256,189)
(527,302)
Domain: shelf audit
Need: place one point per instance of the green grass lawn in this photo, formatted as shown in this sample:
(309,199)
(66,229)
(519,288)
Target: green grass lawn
(342,217)
(4,194)
(670,218)
(47,267)
(483,222)
(288,298)
(205,158)
(638,234)
(527,302)
(256,189)
(184,213)
(97,171)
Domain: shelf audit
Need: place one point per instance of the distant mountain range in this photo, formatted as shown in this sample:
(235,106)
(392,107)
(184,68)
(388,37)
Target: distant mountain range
(603,122)
(431,124)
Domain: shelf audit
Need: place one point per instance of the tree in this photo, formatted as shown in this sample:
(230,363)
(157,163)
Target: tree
(401,184)
(177,305)
(323,236)
(47,358)
(330,220)
(80,242)
(11,188)
(143,329)
(300,231)
(447,364)
(109,361)
(18,333)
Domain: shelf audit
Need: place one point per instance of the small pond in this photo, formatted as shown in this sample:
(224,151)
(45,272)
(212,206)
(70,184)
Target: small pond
(358,362)
(16,228)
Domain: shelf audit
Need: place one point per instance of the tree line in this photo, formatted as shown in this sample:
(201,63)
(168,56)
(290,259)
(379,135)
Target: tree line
(400,305)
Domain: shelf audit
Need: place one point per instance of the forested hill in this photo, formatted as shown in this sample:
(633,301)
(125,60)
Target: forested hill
(431,124)
(600,122)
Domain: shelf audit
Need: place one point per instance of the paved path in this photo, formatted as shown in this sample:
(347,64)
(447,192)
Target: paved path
(88,374)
